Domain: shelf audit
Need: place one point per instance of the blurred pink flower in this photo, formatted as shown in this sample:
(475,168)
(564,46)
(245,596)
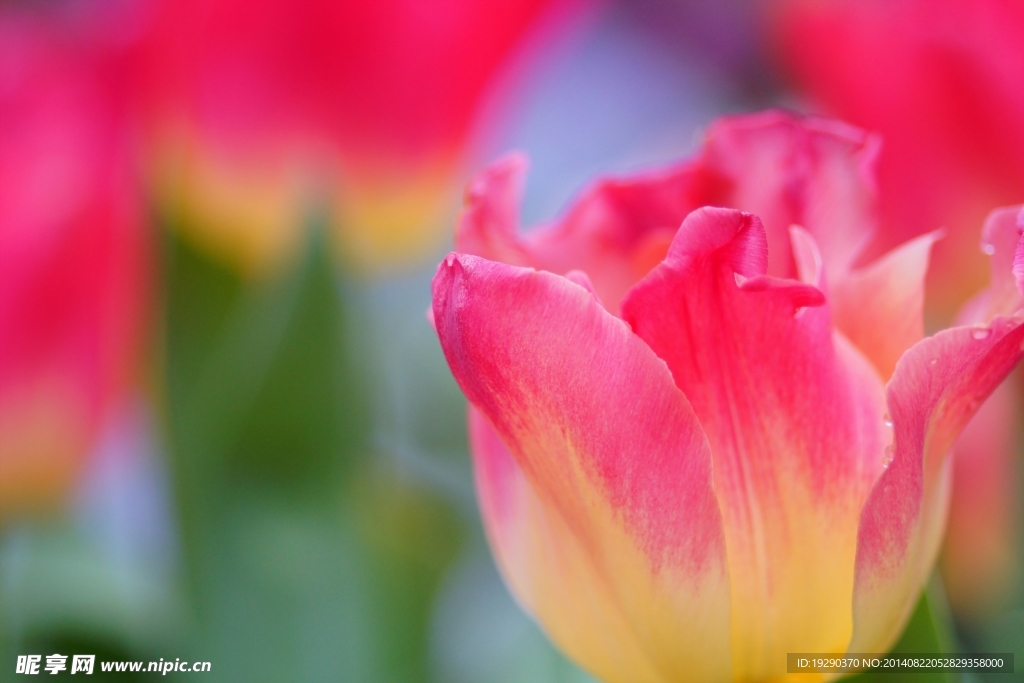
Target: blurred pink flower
(261,105)
(71,256)
(940,81)
(699,448)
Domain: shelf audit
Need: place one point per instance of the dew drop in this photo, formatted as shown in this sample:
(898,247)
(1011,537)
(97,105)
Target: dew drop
(933,361)
(980,333)
(890,450)
(888,420)
(988,248)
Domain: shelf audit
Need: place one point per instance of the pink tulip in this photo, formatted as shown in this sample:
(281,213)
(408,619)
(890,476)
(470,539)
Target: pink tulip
(699,448)
(70,258)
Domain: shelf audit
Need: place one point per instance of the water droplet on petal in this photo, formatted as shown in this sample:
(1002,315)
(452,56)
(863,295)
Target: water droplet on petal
(980,333)
(933,361)
(888,420)
(887,457)
(988,248)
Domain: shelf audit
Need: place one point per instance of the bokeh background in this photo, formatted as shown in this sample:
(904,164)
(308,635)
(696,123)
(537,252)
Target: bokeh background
(227,431)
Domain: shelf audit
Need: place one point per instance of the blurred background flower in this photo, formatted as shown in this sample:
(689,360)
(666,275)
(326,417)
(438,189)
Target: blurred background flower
(264,109)
(940,82)
(73,258)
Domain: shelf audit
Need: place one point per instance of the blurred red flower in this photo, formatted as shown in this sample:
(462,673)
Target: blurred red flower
(941,81)
(260,104)
(71,255)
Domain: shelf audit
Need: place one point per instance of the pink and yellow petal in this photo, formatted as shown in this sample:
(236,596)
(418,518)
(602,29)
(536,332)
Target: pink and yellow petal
(794,415)
(548,568)
(611,487)
(880,308)
(938,386)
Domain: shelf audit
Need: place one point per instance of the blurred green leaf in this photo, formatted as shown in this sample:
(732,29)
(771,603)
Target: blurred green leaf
(62,593)
(1006,634)
(309,557)
(261,389)
(409,539)
(260,378)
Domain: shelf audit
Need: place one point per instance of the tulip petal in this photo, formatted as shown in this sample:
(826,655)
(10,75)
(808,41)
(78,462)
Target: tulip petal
(784,168)
(807,257)
(813,172)
(616,232)
(938,386)
(936,389)
(794,415)
(490,219)
(1018,257)
(880,307)
(1001,240)
(602,512)
(548,568)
